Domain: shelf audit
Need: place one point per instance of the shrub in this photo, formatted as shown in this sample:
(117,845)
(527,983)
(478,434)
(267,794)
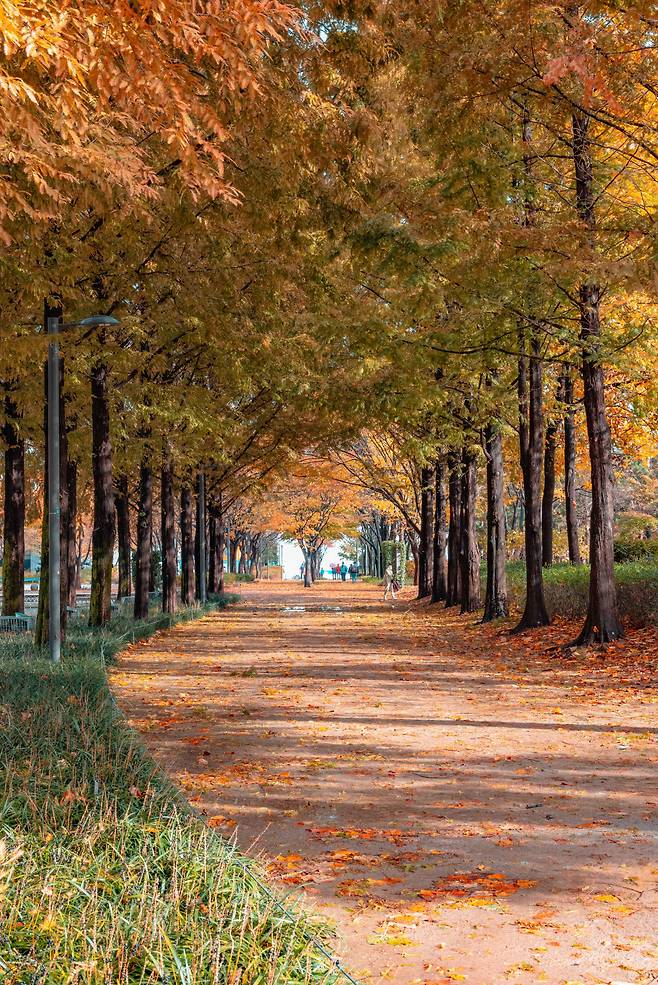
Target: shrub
(566,588)
(636,550)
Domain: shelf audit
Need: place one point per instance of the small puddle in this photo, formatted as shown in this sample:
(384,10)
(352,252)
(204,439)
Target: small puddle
(315,608)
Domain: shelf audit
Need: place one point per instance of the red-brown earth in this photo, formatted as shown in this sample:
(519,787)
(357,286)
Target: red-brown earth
(463,805)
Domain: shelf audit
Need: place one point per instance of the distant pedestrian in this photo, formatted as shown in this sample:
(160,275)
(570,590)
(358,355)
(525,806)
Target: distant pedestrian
(343,571)
(391,584)
(353,572)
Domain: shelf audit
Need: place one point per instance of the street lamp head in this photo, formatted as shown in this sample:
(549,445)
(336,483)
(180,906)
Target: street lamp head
(97,321)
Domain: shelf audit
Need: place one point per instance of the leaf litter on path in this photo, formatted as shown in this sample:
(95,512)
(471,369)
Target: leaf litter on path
(462,804)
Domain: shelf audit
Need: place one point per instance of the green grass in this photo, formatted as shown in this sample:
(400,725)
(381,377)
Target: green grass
(106,876)
(566,587)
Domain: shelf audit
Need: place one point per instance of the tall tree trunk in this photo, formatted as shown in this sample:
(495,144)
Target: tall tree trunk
(144,537)
(531,441)
(123,537)
(213,533)
(242,566)
(602,621)
(64,506)
(315,565)
(41,628)
(570,467)
(548,497)
(426,540)
(495,601)
(104,514)
(469,555)
(531,438)
(453,594)
(43,610)
(168,536)
(440,539)
(308,581)
(187,546)
(13,562)
(197,545)
(221,541)
(72,579)
(201,532)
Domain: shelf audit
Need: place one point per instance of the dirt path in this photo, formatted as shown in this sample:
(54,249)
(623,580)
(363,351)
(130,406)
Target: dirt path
(463,806)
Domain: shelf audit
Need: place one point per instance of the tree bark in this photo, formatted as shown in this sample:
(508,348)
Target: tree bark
(531,439)
(168,536)
(440,539)
(187,546)
(144,537)
(221,541)
(308,581)
(495,601)
(242,565)
(570,467)
(469,555)
(426,540)
(453,594)
(602,622)
(13,562)
(64,505)
(548,496)
(213,536)
(41,628)
(43,609)
(104,513)
(200,531)
(72,578)
(123,537)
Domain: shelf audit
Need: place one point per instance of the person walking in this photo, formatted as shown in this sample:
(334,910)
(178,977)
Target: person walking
(353,572)
(343,571)
(390,583)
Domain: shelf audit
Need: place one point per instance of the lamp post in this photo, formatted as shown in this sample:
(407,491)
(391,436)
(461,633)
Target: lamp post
(54,507)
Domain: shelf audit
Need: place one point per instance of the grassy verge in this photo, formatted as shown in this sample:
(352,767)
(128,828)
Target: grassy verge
(566,587)
(105,874)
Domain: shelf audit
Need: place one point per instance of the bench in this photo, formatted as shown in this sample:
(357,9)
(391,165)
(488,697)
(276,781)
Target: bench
(18,623)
